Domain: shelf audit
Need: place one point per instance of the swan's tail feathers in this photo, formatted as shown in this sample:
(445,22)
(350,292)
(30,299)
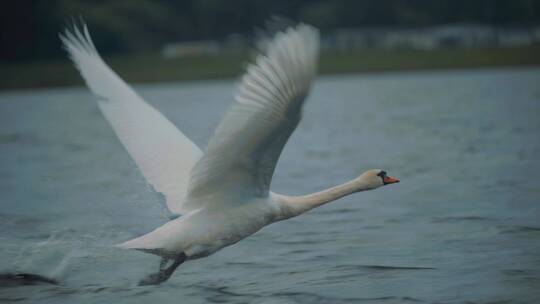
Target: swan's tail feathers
(136,243)
(148,244)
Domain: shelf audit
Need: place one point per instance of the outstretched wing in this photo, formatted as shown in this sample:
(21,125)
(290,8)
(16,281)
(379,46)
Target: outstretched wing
(241,156)
(163,153)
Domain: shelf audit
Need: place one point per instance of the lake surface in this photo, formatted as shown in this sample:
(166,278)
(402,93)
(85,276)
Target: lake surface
(463,226)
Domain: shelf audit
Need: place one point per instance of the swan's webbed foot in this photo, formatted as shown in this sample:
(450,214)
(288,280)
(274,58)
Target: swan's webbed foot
(156,278)
(153,279)
(164,273)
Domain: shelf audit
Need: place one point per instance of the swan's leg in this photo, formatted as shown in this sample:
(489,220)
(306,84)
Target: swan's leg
(164,273)
(181,258)
(163,263)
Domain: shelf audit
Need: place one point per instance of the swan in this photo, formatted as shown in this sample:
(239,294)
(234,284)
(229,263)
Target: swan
(222,194)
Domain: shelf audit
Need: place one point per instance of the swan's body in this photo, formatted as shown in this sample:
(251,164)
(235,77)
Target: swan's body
(223,194)
(205,231)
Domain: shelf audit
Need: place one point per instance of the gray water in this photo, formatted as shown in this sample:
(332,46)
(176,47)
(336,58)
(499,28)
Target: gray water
(463,226)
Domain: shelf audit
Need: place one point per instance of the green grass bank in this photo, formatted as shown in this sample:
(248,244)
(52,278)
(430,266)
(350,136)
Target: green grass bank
(154,68)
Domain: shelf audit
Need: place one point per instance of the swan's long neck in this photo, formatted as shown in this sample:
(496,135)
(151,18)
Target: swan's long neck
(295,205)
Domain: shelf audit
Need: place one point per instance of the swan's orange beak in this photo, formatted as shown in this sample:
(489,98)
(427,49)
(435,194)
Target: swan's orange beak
(390,180)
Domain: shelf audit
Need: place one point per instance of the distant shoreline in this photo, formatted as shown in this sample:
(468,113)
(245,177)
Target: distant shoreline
(154,68)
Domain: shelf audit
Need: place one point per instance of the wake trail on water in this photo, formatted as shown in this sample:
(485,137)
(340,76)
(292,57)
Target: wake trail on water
(23,279)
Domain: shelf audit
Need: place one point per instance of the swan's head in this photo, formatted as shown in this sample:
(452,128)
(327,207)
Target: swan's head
(375,178)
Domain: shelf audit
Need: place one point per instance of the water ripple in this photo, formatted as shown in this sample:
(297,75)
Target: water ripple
(24,279)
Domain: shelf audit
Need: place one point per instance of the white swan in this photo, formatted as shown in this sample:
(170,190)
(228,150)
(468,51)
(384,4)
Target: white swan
(222,194)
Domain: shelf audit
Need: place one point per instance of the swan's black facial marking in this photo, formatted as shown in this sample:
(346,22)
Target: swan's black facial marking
(382,175)
(387,179)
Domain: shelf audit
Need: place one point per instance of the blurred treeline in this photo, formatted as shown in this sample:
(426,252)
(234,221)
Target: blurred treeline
(29,29)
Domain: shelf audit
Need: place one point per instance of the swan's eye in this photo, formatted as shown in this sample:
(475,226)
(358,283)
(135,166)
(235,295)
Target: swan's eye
(382,174)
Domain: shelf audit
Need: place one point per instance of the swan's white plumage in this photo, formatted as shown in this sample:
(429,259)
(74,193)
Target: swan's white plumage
(241,156)
(229,186)
(224,194)
(163,153)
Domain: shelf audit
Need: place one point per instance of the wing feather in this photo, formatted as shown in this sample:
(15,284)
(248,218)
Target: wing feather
(164,155)
(241,156)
